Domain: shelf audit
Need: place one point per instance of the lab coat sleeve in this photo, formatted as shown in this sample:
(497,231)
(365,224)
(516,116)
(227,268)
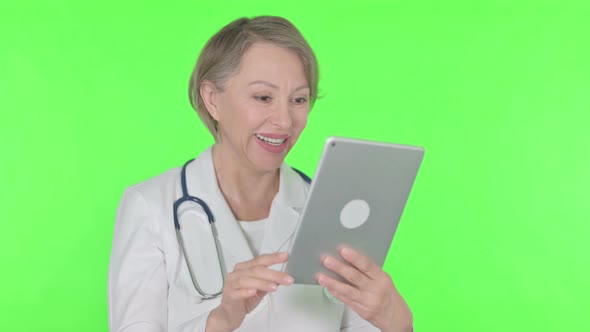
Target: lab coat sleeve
(137,290)
(137,281)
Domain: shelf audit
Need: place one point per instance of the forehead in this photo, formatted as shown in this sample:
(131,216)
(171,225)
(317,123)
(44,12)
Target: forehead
(264,61)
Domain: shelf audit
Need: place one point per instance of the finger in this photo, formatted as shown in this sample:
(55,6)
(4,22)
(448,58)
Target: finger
(263,272)
(247,282)
(240,294)
(335,286)
(264,260)
(258,267)
(367,306)
(361,262)
(352,274)
(373,310)
(358,307)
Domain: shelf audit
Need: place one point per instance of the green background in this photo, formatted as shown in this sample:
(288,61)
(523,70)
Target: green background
(495,237)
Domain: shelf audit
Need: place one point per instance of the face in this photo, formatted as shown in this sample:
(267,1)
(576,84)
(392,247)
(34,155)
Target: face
(263,108)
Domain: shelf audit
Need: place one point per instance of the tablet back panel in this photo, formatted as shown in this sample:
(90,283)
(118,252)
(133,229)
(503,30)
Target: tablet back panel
(355,180)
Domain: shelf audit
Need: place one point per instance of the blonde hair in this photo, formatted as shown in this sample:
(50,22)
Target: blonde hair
(221,56)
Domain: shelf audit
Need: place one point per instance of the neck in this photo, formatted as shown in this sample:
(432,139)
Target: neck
(248,192)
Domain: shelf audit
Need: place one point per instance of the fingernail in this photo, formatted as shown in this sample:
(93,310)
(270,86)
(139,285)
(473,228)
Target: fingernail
(345,252)
(329,261)
(288,280)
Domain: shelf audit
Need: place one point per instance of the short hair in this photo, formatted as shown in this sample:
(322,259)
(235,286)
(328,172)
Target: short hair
(222,55)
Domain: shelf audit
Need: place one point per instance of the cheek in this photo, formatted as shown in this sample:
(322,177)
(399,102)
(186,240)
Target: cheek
(253,118)
(300,120)
(244,115)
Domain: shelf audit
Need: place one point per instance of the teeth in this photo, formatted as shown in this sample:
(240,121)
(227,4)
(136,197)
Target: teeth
(273,141)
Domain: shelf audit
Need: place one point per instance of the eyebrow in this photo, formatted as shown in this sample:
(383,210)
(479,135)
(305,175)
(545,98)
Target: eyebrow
(274,86)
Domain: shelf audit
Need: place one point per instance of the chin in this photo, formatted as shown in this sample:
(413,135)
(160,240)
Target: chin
(270,164)
(266,161)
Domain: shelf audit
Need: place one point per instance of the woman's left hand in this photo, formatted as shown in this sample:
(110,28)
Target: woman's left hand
(371,294)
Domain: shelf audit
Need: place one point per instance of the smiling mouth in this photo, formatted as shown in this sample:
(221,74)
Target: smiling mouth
(271,141)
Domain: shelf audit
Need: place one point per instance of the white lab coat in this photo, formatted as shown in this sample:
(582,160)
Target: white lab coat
(150,289)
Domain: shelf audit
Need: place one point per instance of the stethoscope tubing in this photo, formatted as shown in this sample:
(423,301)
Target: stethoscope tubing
(187,198)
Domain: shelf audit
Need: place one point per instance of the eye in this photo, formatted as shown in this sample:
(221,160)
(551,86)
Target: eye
(300,100)
(264,99)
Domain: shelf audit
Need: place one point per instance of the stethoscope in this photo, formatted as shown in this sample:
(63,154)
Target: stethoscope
(187,198)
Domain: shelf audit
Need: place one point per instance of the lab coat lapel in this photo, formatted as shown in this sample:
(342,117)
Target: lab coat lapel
(202,183)
(284,212)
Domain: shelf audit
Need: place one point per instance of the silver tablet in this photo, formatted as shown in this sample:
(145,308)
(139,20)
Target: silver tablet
(357,197)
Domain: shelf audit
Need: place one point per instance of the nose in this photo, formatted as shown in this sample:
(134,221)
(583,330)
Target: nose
(281,116)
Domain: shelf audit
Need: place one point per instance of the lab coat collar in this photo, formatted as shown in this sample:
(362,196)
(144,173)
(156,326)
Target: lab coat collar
(283,216)
(284,212)
(202,183)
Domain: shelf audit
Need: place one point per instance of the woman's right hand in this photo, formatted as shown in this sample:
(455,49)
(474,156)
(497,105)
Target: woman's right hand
(244,288)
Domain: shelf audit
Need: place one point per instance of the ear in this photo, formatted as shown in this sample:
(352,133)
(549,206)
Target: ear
(209,94)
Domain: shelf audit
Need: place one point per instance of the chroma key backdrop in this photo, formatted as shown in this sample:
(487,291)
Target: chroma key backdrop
(495,235)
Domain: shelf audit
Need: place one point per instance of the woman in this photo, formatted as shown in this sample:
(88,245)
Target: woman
(253,86)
